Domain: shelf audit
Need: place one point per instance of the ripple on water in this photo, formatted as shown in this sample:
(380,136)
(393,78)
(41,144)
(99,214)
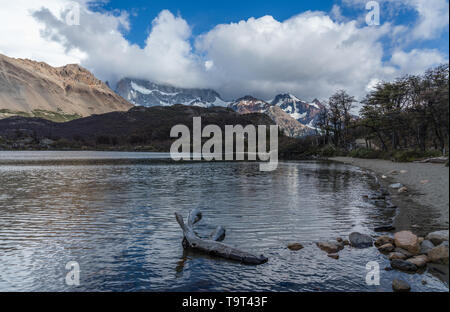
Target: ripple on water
(117,222)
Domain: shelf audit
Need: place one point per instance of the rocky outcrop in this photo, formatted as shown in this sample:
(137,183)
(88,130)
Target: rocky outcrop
(28,87)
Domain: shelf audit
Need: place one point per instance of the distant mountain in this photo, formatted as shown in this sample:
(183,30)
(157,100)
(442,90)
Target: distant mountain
(249,105)
(294,116)
(36,89)
(291,127)
(306,113)
(148,94)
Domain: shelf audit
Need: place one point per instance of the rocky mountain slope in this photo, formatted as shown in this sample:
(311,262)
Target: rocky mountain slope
(148,94)
(29,88)
(306,113)
(291,127)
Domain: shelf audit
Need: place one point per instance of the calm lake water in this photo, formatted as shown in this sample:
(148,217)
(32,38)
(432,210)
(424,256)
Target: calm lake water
(114,215)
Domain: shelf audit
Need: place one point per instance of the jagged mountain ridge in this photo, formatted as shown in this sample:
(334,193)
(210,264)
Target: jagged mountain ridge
(148,94)
(27,87)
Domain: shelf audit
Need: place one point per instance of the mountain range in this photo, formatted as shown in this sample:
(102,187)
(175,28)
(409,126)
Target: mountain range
(36,89)
(61,94)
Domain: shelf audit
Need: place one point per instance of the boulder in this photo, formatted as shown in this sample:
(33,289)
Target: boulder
(396,186)
(400,286)
(396,256)
(295,247)
(426,246)
(439,254)
(359,240)
(408,241)
(403,265)
(406,253)
(386,248)
(438,237)
(383,240)
(330,247)
(420,261)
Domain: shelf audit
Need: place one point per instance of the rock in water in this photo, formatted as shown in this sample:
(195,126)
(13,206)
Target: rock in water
(386,248)
(420,261)
(334,256)
(439,254)
(295,247)
(426,246)
(396,255)
(438,237)
(330,247)
(359,240)
(383,240)
(408,241)
(400,286)
(404,266)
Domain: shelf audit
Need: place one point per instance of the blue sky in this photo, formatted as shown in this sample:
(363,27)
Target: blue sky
(261,48)
(203,15)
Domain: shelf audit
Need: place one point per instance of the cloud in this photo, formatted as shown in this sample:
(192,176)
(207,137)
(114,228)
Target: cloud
(20,33)
(433,18)
(311,54)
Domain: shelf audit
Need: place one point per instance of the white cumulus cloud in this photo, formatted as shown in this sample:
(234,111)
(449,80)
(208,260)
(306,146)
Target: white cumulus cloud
(311,54)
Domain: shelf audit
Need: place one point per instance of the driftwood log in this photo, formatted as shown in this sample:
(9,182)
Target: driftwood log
(213,246)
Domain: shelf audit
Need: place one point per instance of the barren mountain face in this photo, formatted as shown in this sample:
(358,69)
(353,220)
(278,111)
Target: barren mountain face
(37,89)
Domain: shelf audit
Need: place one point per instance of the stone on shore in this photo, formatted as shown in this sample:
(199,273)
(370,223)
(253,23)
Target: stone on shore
(439,254)
(405,252)
(420,261)
(387,248)
(400,286)
(426,246)
(359,240)
(438,237)
(397,256)
(408,241)
(383,240)
(330,247)
(403,265)
(295,247)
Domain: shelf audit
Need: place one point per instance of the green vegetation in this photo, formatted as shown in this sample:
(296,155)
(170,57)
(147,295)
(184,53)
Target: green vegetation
(39,113)
(404,120)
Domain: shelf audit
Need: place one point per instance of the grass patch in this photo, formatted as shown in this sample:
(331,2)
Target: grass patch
(39,113)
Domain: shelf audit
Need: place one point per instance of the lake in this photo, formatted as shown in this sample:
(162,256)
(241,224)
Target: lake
(113,213)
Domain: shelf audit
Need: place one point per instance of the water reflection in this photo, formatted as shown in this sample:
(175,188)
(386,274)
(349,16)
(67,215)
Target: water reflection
(117,221)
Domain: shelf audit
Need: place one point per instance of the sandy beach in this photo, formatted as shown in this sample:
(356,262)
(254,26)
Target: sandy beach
(425,207)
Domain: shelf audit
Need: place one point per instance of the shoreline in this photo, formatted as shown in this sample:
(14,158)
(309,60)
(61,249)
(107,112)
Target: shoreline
(424,208)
